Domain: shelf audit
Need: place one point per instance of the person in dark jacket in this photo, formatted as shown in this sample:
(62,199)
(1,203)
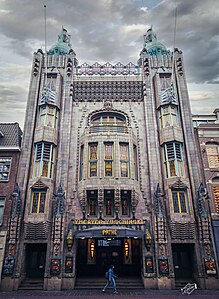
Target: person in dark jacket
(111,279)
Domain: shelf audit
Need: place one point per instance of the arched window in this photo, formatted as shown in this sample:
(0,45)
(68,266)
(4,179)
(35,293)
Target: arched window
(108,121)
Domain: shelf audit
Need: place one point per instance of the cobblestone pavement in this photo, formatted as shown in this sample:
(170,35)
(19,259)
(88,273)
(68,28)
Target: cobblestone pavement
(123,294)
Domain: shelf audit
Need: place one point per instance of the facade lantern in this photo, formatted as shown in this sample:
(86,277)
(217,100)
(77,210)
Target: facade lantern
(148,240)
(70,240)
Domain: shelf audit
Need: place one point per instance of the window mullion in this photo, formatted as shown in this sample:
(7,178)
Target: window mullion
(179,204)
(176,164)
(41,159)
(50,161)
(38,202)
(167,161)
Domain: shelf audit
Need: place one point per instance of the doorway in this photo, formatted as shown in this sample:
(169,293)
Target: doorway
(183,261)
(35,260)
(108,252)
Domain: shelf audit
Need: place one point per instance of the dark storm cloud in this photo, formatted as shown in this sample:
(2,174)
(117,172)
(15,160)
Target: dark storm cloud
(108,30)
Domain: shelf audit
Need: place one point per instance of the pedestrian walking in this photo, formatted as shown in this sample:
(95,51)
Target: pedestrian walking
(111,278)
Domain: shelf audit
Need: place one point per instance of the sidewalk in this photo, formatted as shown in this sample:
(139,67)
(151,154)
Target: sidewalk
(123,294)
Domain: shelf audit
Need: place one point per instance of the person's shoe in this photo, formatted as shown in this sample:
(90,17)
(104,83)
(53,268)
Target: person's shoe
(103,291)
(115,292)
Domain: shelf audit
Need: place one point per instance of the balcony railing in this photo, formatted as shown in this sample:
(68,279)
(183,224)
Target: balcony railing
(108,128)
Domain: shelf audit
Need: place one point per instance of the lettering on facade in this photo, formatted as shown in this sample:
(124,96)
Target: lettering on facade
(109,232)
(110,221)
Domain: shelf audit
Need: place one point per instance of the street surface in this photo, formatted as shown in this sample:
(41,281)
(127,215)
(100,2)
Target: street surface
(123,294)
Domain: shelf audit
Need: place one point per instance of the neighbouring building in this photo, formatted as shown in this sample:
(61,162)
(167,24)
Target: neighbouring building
(109,174)
(10,148)
(207,136)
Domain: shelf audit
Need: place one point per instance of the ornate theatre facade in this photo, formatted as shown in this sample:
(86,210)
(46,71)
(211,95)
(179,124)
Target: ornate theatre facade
(109,174)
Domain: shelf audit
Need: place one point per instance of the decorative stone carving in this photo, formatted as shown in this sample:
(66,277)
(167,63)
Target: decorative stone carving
(158,198)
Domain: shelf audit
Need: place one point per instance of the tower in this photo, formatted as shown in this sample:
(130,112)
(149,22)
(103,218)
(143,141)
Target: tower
(108,173)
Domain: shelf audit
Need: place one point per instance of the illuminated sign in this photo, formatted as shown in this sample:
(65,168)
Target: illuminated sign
(109,232)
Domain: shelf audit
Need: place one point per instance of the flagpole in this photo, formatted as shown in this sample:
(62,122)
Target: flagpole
(174,43)
(45,45)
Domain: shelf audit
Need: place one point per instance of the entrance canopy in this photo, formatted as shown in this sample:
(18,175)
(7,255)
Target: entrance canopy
(105,232)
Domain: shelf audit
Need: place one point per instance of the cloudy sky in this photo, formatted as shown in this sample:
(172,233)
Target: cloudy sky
(108,30)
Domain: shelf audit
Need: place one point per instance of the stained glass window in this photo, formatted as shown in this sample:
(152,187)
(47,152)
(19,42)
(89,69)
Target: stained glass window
(135,161)
(108,158)
(125,202)
(44,159)
(109,202)
(180,204)
(93,159)
(124,159)
(81,163)
(104,122)
(173,159)
(38,202)
(92,202)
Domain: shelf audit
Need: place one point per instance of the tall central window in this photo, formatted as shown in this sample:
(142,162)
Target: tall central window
(44,159)
(180,203)
(93,159)
(124,159)
(173,159)
(108,158)
(38,200)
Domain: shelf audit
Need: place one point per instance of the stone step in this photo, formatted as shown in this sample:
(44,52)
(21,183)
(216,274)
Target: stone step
(31,284)
(98,283)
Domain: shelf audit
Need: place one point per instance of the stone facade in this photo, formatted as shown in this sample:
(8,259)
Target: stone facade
(109,173)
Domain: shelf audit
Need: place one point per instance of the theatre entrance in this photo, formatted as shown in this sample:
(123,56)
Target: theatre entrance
(94,256)
(183,260)
(35,260)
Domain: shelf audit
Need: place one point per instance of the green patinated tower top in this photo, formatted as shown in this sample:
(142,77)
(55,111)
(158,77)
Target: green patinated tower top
(151,44)
(63,45)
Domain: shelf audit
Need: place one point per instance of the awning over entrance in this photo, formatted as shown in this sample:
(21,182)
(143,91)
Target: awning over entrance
(112,232)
